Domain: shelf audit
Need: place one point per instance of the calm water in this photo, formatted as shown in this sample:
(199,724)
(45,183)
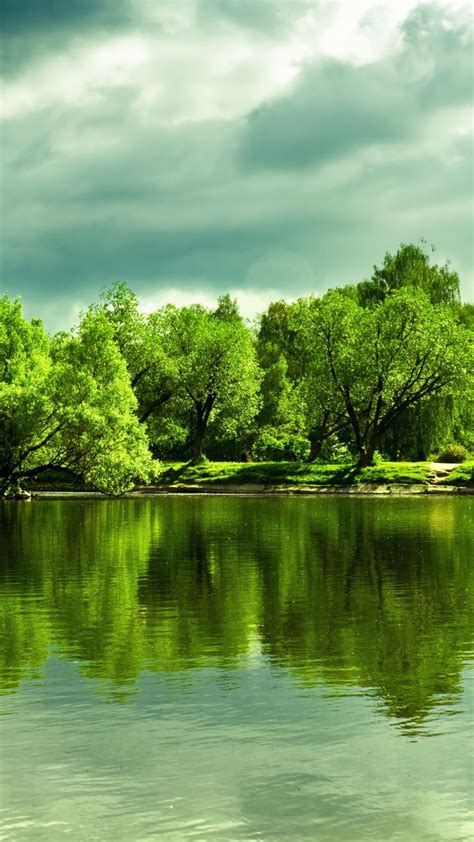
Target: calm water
(236,669)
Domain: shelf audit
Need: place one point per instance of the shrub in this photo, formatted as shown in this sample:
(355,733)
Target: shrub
(452,453)
(334,451)
(274,445)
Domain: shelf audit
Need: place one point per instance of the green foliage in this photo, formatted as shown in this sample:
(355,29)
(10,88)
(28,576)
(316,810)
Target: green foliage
(25,402)
(279,443)
(465,313)
(334,450)
(280,422)
(422,428)
(371,365)
(217,370)
(410,267)
(321,378)
(452,453)
(144,344)
(67,403)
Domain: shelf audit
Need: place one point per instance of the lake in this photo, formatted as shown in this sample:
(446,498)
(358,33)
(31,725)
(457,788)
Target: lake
(236,668)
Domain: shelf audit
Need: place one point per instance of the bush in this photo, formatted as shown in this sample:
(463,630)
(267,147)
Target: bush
(334,451)
(277,445)
(452,453)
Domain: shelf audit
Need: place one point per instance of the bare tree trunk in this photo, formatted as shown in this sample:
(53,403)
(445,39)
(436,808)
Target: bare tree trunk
(318,435)
(198,442)
(203,411)
(366,455)
(315,449)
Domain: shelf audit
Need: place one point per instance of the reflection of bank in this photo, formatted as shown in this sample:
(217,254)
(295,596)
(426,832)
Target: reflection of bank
(366,593)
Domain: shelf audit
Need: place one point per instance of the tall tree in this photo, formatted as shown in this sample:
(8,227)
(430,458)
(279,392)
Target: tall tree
(321,406)
(217,367)
(378,362)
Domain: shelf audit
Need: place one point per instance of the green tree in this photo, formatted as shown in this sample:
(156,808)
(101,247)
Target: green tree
(410,267)
(280,423)
(217,368)
(67,403)
(424,429)
(321,406)
(466,315)
(377,362)
(143,342)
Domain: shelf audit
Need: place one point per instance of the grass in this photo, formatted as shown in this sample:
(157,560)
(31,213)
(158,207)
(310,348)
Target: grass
(292,474)
(462,475)
(279,475)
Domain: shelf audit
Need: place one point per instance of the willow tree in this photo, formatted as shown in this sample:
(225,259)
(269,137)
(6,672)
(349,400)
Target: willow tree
(67,403)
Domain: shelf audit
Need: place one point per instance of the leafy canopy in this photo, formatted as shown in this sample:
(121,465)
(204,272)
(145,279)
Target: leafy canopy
(375,363)
(67,403)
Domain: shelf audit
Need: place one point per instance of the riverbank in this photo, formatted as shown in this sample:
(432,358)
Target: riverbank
(386,478)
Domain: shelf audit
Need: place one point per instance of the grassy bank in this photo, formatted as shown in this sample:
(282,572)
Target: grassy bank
(276,475)
(292,474)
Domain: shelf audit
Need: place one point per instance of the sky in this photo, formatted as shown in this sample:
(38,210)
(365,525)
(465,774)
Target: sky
(269,148)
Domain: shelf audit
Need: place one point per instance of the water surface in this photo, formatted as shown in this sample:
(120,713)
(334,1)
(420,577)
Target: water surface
(236,669)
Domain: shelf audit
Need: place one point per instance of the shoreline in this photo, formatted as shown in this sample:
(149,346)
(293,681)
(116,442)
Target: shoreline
(257,490)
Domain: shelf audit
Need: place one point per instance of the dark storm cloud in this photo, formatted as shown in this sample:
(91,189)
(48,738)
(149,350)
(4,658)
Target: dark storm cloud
(146,176)
(162,239)
(336,108)
(36,15)
(33,28)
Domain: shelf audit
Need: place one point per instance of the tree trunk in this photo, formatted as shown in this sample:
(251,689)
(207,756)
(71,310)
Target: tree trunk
(203,411)
(366,456)
(318,435)
(198,442)
(315,449)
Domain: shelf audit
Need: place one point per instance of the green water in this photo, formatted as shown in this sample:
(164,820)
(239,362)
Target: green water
(236,669)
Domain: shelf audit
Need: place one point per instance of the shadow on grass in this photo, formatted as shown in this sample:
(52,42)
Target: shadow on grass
(173,474)
(260,473)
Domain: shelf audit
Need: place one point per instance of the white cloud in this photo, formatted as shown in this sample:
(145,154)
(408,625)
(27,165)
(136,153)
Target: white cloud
(251,302)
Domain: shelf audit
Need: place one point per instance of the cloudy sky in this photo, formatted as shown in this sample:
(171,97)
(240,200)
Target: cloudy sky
(266,147)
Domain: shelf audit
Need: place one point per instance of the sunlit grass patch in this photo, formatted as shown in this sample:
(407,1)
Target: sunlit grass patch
(405,473)
(461,475)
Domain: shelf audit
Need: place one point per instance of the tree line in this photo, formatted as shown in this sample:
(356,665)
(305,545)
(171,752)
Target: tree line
(381,366)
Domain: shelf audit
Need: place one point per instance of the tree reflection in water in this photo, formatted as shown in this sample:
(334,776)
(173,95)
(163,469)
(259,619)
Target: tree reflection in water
(373,594)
